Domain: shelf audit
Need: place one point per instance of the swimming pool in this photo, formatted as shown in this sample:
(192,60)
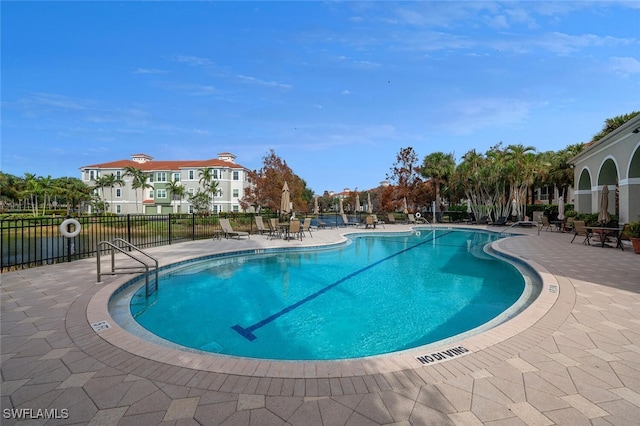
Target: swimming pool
(375,295)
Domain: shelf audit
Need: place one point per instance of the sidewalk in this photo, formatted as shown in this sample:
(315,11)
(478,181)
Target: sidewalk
(577,363)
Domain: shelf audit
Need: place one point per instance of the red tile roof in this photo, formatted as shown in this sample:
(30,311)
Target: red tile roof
(164,165)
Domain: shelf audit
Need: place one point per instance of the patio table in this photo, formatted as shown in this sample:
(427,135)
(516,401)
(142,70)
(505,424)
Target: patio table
(604,232)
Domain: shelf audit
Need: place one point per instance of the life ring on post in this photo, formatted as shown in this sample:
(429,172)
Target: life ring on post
(65,224)
(418,215)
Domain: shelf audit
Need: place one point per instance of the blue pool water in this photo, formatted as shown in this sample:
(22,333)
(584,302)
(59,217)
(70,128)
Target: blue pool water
(376,295)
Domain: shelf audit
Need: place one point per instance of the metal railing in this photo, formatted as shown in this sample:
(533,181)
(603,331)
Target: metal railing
(30,242)
(127,269)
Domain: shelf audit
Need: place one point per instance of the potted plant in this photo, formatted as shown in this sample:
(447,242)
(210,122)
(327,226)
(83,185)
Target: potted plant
(634,235)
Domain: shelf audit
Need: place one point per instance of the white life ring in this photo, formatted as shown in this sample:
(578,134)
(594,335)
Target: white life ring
(418,215)
(418,233)
(65,223)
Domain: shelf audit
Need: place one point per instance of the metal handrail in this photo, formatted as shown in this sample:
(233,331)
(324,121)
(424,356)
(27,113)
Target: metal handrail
(126,269)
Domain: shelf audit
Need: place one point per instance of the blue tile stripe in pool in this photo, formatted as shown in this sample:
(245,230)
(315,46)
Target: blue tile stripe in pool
(247,332)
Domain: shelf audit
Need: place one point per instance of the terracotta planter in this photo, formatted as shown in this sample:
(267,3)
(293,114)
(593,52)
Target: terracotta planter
(635,241)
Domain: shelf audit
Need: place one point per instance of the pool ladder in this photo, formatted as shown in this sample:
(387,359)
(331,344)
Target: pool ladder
(144,267)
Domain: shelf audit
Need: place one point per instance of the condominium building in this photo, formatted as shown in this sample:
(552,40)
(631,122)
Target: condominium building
(232,179)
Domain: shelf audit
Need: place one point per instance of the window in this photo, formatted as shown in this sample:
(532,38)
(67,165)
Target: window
(118,208)
(92,174)
(151,194)
(161,193)
(118,174)
(215,209)
(190,209)
(151,177)
(162,176)
(215,173)
(235,209)
(191,175)
(236,192)
(176,177)
(192,191)
(235,175)
(219,193)
(118,192)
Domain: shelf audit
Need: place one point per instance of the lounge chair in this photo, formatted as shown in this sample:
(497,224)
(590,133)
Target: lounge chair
(579,229)
(376,221)
(260,225)
(502,221)
(484,220)
(306,226)
(228,230)
(346,222)
(411,219)
(391,218)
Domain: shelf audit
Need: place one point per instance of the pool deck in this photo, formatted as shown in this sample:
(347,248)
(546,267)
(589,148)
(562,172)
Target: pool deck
(572,359)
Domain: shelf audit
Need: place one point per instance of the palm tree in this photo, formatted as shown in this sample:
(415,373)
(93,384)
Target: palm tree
(177,191)
(32,189)
(100,183)
(139,180)
(439,167)
(208,183)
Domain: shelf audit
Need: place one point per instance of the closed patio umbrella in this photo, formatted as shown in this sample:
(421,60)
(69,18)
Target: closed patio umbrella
(341,207)
(285,201)
(603,214)
(369,206)
(357,203)
(561,208)
(316,210)
(514,208)
(405,209)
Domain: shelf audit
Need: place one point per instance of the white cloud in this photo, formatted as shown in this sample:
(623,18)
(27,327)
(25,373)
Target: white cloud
(148,71)
(263,82)
(194,61)
(624,66)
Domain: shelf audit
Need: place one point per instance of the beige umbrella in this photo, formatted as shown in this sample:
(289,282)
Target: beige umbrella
(603,214)
(357,207)
(369,205)
(285,201)
(341,207)
(561,208)
(405,209)
(316,210)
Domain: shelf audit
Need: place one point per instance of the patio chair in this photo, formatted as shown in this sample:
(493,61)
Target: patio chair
(369,222)
(346,222)
(411,219)
(306,226)
(545,222)
(579,229)
(484,220)
(228,230)
(502,221)
(260,225)
(295,230)
(274,229)
(376,221)
(391,218)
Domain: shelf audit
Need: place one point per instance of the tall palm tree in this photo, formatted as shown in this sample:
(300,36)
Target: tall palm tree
(32,189)
(100,183)
(439,167)
(139,180)
(177,191)
(208,182)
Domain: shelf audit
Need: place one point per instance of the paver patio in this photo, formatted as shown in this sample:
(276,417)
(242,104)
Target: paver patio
(576,362)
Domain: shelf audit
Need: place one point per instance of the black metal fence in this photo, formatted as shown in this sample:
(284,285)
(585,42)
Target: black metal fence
(26,243)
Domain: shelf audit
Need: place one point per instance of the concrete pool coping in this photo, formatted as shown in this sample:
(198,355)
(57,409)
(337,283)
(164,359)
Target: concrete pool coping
(579,364)
(415,358)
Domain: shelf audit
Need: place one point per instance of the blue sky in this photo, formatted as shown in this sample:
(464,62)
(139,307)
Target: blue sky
(335,88)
